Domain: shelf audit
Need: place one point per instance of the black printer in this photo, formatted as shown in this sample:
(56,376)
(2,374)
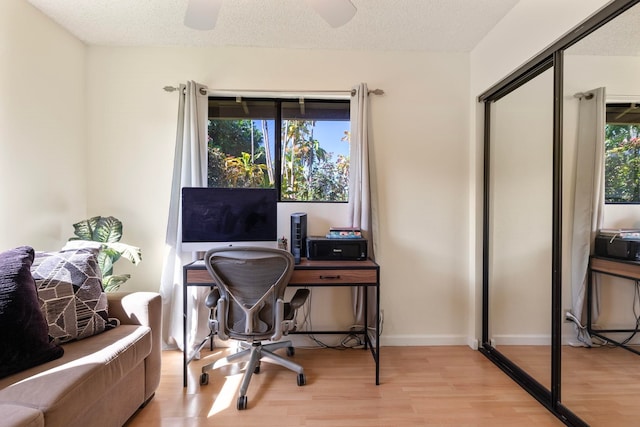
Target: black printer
(622,244)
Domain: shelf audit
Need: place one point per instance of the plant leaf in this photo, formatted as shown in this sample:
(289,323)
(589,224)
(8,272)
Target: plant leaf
(132,253)
(84,229)
(112,283)
(108,230)
(105,262)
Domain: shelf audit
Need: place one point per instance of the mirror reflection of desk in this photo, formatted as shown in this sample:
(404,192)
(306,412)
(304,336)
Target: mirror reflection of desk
(308,274)
(625,269)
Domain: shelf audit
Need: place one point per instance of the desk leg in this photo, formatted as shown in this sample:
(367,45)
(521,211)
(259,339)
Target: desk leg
(184,329)
(589,298)
(377,328)
(367,339)
(365,290)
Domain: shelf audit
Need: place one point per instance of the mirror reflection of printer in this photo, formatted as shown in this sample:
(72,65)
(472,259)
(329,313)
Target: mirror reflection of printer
(621,244)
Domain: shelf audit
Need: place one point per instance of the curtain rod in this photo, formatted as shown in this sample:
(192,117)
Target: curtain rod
(579,95)
(203,91)
(297,92)
(589,95)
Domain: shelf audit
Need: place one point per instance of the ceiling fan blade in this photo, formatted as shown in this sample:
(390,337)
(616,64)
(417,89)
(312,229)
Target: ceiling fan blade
(335,12)
(202,14)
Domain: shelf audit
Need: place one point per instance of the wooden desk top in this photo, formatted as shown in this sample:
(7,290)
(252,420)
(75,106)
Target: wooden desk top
(320,273)
(334,264)
(309,264)
(617,267)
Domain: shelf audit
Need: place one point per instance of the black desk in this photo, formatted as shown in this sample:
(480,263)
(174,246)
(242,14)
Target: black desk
(306,274)
(613,267)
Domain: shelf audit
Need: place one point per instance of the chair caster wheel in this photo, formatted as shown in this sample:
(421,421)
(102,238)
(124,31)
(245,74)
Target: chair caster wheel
(256,370)
(204,379)
(242,403)
(302,380)
(291,351)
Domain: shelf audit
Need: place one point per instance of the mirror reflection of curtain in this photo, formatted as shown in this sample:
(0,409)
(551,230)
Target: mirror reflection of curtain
(189,170)
(588,202)
(360,192)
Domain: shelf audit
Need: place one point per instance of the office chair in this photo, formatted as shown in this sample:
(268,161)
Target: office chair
(249,306)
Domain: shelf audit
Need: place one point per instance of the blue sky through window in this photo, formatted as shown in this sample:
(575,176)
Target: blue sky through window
(330,134)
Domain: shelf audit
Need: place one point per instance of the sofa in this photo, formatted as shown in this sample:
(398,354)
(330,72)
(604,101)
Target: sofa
(98,380)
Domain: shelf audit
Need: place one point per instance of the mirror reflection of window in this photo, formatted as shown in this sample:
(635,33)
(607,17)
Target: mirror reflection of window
(622,153)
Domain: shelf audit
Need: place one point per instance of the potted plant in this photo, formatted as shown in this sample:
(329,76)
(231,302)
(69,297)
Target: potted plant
(107,231)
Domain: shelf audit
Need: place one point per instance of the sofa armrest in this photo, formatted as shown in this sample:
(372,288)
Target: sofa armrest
(135,308)
(142,308)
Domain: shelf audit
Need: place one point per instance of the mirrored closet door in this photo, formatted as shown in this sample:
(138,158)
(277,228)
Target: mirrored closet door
(601,382)
(520,226)
(531,273)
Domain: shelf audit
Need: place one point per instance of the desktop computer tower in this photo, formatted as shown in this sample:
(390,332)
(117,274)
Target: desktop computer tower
(298,235)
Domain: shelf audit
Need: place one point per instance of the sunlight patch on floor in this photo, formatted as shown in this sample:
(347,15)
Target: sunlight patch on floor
(228,394)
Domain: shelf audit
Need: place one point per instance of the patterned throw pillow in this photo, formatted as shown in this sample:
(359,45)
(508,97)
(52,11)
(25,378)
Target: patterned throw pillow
(71,296)
(23,330)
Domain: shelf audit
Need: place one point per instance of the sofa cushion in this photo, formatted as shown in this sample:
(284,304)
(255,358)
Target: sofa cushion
(17,415)
(71,295)
(91,368)
(24,339)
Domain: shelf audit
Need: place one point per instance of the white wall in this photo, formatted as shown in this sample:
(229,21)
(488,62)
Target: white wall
(42,129)
(95,133)
(418,147)
(529,28)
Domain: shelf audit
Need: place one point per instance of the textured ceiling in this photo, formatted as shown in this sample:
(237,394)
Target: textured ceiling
(619,37)
(426,25)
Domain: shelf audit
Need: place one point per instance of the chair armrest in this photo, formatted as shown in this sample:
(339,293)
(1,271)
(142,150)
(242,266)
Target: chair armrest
(221,319)
(299,298)
(212,298)
(145,309)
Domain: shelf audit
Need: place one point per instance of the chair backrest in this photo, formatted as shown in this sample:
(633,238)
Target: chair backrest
(252,282)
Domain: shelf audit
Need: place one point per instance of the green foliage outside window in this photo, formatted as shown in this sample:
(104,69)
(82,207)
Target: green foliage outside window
(230,159)
(622,163)
(240,155)
(309,171)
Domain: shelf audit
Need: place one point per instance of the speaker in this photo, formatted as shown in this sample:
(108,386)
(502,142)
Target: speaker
(298,235)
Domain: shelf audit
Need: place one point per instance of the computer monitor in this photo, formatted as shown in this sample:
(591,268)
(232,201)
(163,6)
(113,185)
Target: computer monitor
(213,217)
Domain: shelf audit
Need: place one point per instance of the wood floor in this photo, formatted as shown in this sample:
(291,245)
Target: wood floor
(420,386)
(601,385)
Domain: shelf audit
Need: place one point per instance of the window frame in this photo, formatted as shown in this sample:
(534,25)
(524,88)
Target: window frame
(278,104)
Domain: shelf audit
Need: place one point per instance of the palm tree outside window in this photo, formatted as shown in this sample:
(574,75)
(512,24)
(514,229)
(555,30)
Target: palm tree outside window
(300,147)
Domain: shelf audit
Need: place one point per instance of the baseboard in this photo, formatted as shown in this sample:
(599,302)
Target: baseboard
(302,340)
(424,340)
(499,340)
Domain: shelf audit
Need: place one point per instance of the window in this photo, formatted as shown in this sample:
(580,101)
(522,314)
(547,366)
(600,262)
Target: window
(300,147)
(622,153)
